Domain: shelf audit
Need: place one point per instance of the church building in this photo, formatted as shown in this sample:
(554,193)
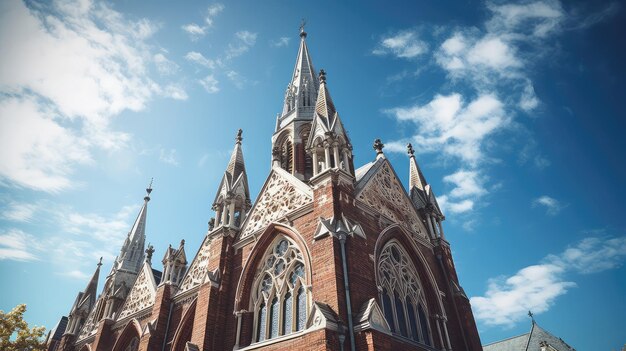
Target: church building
(328,256)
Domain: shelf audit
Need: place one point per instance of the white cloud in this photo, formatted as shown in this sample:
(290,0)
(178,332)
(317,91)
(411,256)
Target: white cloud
(169,157)
(552,205)
(537,287)
(66,71)
(17,246)
(75,274)
(528,99)
(282,41)
(244,41)
(19,212)
(163,65)
(209,83)
(212,11)
(174,91)
(459,129)
(198,58)
(195,31)
(404,44)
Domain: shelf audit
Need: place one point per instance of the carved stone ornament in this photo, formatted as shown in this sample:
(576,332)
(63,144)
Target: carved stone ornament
(142,294)
(91,325)
(385,194)
(197,273)
(280,197)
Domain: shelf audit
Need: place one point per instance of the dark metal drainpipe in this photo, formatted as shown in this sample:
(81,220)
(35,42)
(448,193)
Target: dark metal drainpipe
(167,326)
(342,240)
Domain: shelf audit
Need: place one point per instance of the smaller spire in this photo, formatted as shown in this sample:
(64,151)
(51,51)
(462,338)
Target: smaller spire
(99,263)
(378,146)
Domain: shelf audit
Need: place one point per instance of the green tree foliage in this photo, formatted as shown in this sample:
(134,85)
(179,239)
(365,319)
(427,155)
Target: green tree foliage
(15,335)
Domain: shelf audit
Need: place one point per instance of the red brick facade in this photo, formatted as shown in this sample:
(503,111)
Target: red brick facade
(217,313)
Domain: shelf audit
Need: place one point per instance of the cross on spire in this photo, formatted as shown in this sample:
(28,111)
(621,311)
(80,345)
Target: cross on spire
(531,315)
(302,32)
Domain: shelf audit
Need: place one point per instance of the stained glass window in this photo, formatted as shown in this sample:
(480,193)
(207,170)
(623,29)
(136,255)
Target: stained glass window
(287,313)
(404,308)
(282,270)
(301,309)
(274,321)
(261,323)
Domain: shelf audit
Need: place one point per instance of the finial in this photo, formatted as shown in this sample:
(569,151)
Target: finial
(409,149)
(182,243)
(302,32)
(149,252)
(100,262)
(149,190)
(378,146)
(531,315)
(322,76)
(239,138)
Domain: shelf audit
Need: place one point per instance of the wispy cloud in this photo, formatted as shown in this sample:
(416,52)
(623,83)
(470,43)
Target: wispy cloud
(17,246)
(197,31)
(199,59)
(551,205)
(210,84)
(19,212)
(537,287)
(169,157)
(280,42)
(405,44)
(91,65)
(164,65)
(244,41)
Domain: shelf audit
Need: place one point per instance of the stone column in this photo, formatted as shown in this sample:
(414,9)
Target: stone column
(315,171)
(346,166)
(336,154)
(327,156)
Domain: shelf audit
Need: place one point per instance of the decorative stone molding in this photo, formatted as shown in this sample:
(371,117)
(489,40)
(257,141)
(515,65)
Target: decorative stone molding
(197,272)
(371,317)
(322,316)
(142,294)
(281,195)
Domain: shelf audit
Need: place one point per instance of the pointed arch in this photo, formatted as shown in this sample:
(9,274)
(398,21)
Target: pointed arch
(85,347)
(131,331)
(265,238)
(185,328)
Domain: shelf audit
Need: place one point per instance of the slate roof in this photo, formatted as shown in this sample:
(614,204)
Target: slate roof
(530,341)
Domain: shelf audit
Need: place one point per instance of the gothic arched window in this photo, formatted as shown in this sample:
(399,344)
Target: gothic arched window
(279,299)
(286,156)
(133,345)
(402,296)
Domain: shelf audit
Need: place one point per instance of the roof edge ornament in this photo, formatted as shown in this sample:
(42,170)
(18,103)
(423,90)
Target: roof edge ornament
(148,190)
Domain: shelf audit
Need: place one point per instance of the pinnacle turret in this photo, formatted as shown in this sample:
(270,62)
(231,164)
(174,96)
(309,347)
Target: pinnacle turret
(232,199)
(132,254)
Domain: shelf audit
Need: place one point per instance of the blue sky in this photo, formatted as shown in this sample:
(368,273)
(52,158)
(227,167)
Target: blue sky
(515,110)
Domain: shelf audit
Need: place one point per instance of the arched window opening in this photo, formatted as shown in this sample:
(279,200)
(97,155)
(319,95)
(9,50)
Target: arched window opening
(286,156)
(133,345)
(401,294)
(280,300)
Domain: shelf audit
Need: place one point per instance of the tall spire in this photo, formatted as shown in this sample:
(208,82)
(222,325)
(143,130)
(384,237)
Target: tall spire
(302,90)
(416,178)
(92,287)
(132,254)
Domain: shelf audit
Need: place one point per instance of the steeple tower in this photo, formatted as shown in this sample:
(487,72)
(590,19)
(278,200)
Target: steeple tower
(293,125)
(85,301)
(423,197)
(328,144)
(232,200)
(132,254)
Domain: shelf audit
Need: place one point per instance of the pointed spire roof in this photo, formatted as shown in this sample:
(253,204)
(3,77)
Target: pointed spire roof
(236,165)
(304,84)
(324,107)
(132,253)
(86,299)
(235,174)
(416,178)
(92,286)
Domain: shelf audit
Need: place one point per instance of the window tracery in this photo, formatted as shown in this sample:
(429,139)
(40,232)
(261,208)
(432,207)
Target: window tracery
(133,345)
(279,300)
(402,296)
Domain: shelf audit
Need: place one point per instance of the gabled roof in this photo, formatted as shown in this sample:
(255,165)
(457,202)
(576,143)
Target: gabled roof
(531,341)
(281,194)
(379,187)
(141,295)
